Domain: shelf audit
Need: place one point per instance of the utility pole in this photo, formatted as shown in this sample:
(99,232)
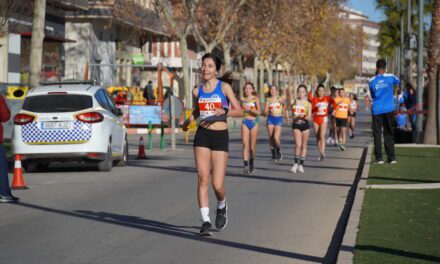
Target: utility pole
(402,48)
(408,50)
(420,75)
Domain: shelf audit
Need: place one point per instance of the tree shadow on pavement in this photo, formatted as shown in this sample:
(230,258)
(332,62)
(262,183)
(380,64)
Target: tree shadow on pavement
(397,252)
(169,230)
(239,175)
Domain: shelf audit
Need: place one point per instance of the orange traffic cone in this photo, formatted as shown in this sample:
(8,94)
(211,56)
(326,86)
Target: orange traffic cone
(141,151)
(18,182)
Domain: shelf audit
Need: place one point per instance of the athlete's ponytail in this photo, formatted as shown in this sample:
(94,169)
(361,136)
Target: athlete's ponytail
(227,78)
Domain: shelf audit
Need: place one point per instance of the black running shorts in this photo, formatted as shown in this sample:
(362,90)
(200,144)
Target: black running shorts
(217,140)
(341,122)
(300,126)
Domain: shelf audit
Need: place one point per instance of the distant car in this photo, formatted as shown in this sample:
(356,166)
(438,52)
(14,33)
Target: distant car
(69,122)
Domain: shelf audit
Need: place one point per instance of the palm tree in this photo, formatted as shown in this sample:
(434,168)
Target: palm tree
(431,130)
(389,33)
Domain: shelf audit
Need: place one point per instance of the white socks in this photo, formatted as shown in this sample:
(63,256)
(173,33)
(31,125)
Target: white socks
(221,204)
(204,211)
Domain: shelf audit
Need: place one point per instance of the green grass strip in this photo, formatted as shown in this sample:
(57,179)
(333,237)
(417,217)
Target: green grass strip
(414,165)
(399,226)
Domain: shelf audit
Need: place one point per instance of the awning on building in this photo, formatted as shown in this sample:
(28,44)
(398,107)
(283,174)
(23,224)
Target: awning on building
(47,37)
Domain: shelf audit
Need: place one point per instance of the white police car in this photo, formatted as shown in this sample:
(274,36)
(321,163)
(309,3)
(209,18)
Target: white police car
(69,122)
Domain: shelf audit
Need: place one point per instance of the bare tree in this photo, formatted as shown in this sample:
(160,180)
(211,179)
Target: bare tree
(179,25)
(212,20)
(37,42)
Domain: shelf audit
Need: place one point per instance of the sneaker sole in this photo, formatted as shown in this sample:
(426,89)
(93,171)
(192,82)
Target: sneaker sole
(207,234)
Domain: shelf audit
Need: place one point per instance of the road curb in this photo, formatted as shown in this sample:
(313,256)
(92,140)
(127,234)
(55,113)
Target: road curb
(346,252)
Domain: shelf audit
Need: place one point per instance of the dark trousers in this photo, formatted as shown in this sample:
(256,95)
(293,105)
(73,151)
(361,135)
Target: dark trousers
(4,180)
(385,121)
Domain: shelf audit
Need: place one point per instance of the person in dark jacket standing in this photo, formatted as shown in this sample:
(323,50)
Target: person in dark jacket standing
(5,191)
(382,89)
(149,93)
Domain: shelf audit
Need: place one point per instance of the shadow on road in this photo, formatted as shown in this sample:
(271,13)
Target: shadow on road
(392,251)
(169,230)
(238,175)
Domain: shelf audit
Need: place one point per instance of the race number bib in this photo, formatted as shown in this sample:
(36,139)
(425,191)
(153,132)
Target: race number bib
(208,106)
(322,108)
(298,110)
(343,107)
(249,106)
(275,108)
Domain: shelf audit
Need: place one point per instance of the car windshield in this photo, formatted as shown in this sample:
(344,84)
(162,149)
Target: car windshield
(55,103)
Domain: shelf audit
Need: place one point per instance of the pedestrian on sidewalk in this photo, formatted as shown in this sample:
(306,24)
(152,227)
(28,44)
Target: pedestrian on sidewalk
(320,110)
(5,192)
(383,86)
(211,142)
(249,128)
(341,104)
(274,109)
(301,115)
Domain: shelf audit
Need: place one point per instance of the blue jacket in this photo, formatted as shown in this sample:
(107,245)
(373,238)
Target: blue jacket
(382,93)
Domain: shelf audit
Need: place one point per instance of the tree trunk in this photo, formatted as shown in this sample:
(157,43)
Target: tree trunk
(186,70)
(431,130)
(270,72)
(241,72)
(255,77)
(261,82)
(227,56)
(37,43)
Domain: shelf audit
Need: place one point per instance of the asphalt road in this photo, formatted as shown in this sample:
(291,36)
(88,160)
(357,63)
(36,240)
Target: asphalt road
(147,212)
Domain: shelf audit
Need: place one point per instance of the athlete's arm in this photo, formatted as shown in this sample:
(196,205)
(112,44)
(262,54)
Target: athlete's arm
(266,108)
(195,112)
(309,116)
(236,110)
(257,112)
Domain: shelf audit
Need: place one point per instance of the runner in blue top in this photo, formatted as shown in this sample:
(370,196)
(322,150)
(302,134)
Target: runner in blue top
(211,104)
(382,89)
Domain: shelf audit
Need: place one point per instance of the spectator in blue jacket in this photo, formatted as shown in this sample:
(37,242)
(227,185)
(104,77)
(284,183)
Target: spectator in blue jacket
(382,90)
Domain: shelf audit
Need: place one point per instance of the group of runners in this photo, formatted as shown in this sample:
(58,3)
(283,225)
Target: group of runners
(336,111)
(214,101)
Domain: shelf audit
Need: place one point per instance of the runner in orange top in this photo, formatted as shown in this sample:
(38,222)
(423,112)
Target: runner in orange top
(320,109)
(340,112)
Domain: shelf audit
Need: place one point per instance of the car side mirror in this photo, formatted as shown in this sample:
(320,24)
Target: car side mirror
(119,112)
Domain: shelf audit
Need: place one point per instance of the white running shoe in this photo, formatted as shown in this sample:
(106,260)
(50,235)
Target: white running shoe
(329,140)
(393,162)
(294,168)
(301,168)
(380,162)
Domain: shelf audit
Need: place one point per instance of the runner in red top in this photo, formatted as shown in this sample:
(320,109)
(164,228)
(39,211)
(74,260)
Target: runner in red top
(320,110)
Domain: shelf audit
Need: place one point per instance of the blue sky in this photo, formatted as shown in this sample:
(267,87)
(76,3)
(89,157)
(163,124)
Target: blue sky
(368,7)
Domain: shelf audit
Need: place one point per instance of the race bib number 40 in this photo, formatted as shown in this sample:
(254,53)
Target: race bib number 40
(208,106)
